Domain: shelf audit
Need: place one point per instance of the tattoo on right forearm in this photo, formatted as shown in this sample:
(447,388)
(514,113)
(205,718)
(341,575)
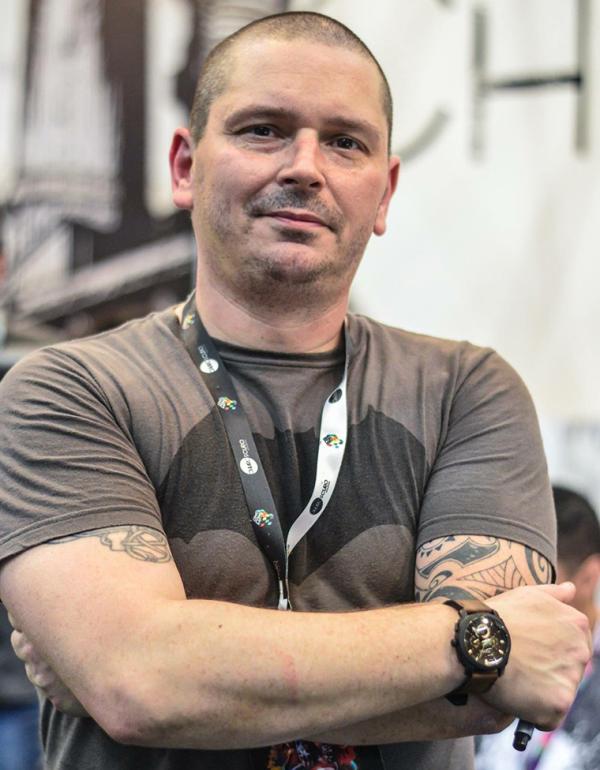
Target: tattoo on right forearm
(142,543)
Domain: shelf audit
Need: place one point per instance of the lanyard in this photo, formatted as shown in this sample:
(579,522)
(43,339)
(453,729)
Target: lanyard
(259,499)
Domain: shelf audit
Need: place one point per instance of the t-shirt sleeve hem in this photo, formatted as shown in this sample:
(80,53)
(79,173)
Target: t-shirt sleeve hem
(488,526)
(70,524)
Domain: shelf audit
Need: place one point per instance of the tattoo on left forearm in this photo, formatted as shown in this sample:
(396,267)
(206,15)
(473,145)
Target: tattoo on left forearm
(476,567)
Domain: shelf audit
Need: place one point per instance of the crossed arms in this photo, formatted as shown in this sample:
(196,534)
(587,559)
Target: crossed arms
(107,611)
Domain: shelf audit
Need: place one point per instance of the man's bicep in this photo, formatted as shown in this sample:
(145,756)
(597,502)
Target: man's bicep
(83,600)
(476,567)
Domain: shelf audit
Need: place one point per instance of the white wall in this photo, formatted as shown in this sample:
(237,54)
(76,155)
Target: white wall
(503,250)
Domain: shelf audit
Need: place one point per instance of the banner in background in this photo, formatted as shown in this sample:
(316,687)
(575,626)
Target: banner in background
(493,232)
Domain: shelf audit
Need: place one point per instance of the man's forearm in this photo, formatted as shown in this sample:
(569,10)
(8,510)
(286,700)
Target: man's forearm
(155,669)
(436,720)
(217,675)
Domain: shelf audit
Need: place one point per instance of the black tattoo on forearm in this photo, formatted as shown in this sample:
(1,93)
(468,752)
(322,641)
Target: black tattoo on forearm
(142,543)
(539,566)
(475,567)
(461,550)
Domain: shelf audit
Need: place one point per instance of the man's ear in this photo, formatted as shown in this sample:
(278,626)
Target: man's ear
(181,157)
(393,173)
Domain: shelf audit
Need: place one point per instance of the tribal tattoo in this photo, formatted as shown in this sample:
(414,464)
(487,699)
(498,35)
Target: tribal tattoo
(476,567)
(142,543)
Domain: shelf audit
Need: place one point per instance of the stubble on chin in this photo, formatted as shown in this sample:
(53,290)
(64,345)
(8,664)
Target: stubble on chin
(289,280)
(279,276)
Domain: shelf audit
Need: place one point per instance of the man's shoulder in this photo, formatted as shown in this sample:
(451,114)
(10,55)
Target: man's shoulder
(427,369)
(140,337)
(111,366)
(138,334)
(391,342)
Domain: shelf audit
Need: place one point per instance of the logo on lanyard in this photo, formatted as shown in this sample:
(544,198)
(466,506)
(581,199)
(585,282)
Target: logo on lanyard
(188,320)
(262,518)
(247,464)
(227,404)
(208,365)
(331,439)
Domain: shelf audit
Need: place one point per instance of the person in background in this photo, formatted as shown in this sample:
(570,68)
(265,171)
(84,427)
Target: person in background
(575,744)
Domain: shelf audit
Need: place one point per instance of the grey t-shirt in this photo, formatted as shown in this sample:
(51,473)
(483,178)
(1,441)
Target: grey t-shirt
(119,429)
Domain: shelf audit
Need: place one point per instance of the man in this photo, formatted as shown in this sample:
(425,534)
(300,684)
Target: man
(576,743)
(151,552)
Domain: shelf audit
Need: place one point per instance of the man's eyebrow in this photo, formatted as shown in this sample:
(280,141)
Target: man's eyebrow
(334,122)
(257,112)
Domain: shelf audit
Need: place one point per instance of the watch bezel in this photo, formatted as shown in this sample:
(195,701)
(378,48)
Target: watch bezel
(460,640)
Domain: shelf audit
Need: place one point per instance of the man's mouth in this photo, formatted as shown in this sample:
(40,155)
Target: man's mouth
(296,218)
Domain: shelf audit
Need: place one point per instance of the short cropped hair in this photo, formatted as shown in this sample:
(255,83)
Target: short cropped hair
(306,25)
(578,527)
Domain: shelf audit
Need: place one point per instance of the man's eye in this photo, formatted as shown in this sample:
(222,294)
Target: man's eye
(259,131)
(346,143)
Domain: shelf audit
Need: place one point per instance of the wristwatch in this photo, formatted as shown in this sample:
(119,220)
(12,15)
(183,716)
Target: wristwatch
(482,644)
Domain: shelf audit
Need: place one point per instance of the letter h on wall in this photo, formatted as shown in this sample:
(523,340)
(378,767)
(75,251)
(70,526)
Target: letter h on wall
(484,85)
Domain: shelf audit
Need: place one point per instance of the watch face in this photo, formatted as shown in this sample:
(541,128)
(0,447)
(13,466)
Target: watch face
(485,640)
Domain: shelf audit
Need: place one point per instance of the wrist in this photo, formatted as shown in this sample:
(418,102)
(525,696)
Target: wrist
(482,645)
(453,671)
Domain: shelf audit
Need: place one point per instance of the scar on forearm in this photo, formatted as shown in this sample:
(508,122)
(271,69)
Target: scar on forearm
(141,543)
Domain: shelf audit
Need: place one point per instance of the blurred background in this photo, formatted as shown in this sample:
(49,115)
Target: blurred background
(493,234)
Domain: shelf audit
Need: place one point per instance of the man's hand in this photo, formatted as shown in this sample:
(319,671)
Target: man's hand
(43,676)
(551,644)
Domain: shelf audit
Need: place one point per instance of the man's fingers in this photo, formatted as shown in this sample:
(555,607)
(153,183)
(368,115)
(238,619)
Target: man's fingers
(19,643)
(40,676)
(13,622)
(564,592)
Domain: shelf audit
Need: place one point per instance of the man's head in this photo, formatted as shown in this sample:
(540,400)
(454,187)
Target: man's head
(578,544)
(313,27)
(289,173)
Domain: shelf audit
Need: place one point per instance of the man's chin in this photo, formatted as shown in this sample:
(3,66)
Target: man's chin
(294,264)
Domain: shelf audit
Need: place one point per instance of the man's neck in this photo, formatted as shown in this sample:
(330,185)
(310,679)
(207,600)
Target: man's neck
(290,330)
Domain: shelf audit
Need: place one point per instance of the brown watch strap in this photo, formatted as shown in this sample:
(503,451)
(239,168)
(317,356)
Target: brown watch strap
(476,684)
(470,605)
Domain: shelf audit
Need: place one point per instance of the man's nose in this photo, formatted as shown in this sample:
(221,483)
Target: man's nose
(302,164)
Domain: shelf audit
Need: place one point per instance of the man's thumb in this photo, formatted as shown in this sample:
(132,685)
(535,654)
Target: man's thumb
(564,592)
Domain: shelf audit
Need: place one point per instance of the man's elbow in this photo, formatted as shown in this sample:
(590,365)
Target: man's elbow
(128,713)
(145,716)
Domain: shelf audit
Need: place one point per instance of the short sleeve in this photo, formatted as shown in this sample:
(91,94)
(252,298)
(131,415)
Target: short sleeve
(490,475)
(67,464)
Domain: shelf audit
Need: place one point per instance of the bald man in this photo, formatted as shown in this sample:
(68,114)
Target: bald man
(194,506)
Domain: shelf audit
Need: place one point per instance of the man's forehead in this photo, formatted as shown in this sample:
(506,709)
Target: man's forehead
(287,75)
(260,52)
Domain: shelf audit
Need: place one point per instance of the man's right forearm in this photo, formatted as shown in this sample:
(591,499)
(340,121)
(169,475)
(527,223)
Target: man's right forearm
(155,669)
(206,674)
(436,720)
